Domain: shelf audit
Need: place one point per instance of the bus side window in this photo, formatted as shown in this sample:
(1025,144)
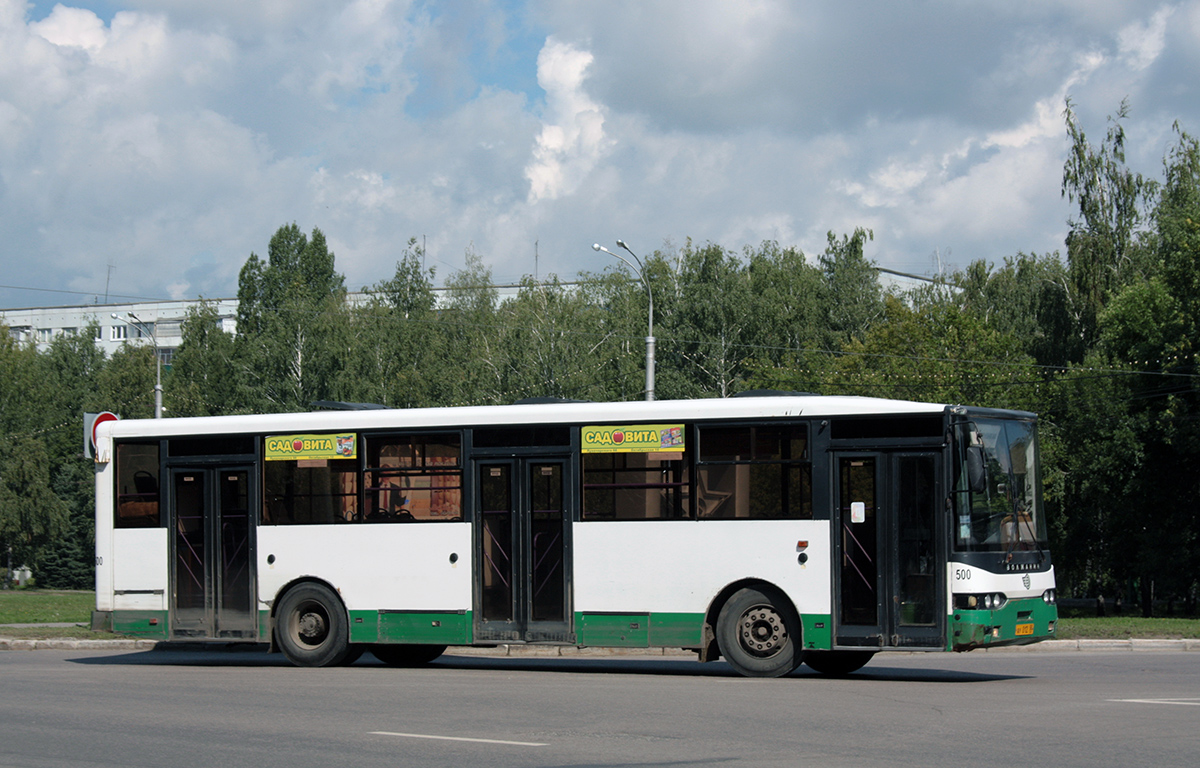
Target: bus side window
(635,486)
(414,478)
(137,486)
(757,472)
(310,491)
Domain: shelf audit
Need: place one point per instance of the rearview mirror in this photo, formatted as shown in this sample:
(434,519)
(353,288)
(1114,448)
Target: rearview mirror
(976,470)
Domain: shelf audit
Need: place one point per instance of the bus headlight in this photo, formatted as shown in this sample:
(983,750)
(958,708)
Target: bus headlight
(988,602)
(1050,596)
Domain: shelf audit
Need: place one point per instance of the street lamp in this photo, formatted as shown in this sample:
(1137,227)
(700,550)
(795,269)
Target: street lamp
(158,390)
(640,269)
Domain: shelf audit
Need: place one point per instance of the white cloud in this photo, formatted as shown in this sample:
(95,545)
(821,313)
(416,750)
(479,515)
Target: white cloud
(74,27)
(572,138)
(1141,43)
(172,137)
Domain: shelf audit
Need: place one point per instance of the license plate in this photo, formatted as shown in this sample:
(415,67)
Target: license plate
(1024,629)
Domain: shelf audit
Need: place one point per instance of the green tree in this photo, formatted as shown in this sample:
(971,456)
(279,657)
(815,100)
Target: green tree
(204,378)
(471,336)
(1108,244)
(1029,296)
(939,354)
(292,322)
(547,343)
(31,515)
(396,349)
(853,296)
(711,322)
(126,383)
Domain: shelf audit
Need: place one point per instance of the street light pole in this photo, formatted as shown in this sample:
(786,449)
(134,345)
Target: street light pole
(640,270)
(158,390)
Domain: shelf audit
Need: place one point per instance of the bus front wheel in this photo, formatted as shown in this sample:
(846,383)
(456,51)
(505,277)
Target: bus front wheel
(758,634)
(311,627)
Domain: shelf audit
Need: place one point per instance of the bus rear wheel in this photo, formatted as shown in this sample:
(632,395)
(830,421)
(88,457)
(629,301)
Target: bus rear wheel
(406,655)
(837,663)
(311,627)
(758,634)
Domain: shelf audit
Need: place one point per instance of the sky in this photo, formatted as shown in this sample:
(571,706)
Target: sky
(148,147)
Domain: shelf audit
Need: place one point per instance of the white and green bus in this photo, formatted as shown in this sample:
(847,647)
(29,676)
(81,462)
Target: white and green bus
(771,530)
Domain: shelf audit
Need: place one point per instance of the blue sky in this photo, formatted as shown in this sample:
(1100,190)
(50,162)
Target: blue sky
(152,145)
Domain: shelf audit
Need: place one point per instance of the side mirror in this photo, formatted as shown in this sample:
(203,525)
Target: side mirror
(976,469)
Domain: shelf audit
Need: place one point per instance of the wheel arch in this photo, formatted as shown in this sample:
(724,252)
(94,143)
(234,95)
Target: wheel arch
(708,649)
(288,587)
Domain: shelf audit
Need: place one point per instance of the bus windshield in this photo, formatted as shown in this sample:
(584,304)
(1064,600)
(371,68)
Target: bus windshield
(997,499)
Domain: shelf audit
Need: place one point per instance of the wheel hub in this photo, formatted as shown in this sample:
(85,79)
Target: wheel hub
(312,627)
(762,631)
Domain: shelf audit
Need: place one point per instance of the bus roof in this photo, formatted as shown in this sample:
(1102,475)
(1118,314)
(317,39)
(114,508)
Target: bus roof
(782,406)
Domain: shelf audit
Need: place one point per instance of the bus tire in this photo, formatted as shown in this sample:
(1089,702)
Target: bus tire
(406,655)
(837,663)
(758,633)
(311,626)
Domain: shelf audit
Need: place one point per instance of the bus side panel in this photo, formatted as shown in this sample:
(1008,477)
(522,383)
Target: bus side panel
(382,572)
(665,574)
(141,584)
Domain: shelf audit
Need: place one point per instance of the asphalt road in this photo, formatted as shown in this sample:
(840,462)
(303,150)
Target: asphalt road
(226,708)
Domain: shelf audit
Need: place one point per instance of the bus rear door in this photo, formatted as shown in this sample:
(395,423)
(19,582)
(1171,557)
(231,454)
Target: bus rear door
(212,561)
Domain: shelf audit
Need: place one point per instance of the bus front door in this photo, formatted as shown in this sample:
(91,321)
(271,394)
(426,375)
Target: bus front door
(522,534)
(211,561)
(890,585)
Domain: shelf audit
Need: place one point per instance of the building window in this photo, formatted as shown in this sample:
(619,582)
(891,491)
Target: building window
(118,332)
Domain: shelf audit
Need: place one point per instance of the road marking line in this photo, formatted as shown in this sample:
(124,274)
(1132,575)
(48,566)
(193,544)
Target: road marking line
(1181,702)
(459,738)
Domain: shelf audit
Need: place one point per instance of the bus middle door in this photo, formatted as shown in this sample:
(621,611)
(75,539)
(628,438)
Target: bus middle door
(522,540)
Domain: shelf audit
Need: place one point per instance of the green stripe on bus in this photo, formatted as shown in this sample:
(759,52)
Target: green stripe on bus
(639,630)
(149,624)
(430,627)
(817,631)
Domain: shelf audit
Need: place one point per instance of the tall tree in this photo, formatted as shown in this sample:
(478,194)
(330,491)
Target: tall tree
(853,300)
(32,516)
(291,311)
(396,350)
(1107,246)
(470,325)
(204,376)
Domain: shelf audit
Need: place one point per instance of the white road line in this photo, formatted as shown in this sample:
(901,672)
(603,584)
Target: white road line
(1181,702)
(459,738)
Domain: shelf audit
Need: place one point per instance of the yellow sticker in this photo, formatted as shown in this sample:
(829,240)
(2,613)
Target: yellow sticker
(292,447)
(634,438)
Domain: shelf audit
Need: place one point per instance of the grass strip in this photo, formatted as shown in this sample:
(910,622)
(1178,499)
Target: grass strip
(30,606)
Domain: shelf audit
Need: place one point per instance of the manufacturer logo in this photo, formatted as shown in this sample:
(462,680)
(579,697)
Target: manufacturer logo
(1025,580)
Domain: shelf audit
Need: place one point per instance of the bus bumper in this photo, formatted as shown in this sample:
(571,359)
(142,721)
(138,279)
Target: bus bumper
(1017,622)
